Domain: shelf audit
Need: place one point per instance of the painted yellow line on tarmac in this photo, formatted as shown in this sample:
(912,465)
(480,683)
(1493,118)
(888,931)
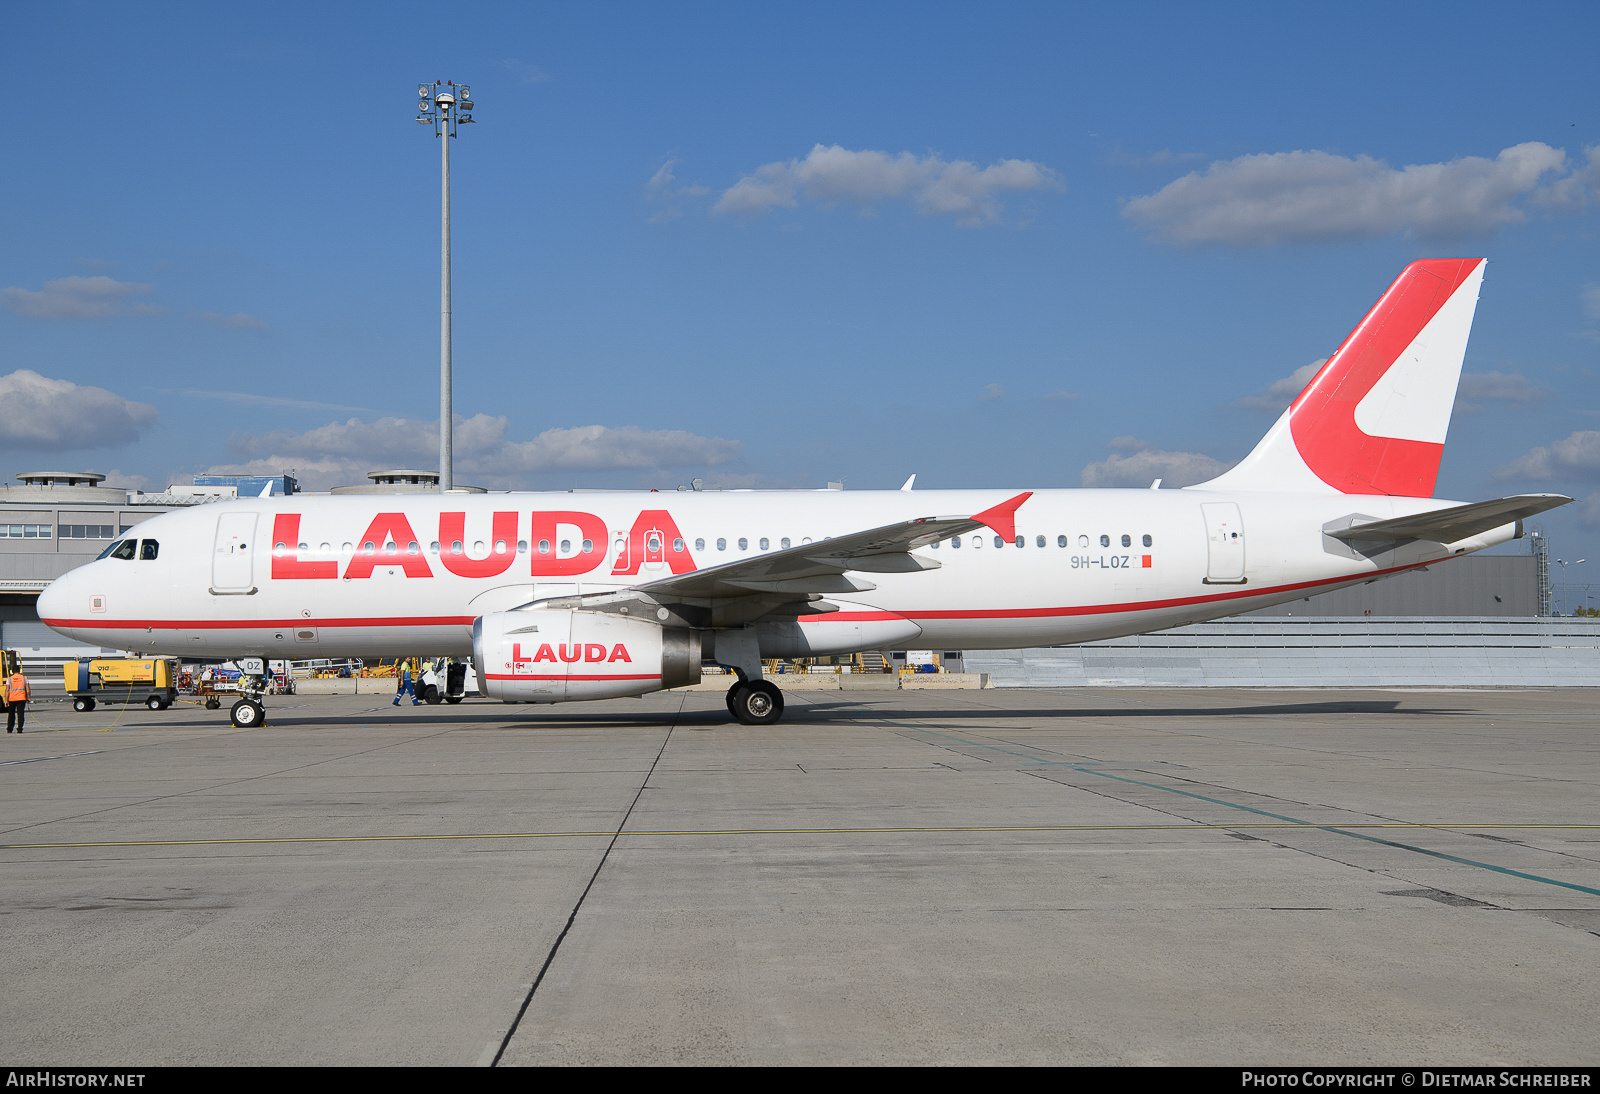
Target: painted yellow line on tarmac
(776,832)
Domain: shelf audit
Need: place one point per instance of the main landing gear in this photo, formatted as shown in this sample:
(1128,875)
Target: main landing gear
(755,703)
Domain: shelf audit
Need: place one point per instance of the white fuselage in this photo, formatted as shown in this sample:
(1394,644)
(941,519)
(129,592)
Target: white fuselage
(343,577)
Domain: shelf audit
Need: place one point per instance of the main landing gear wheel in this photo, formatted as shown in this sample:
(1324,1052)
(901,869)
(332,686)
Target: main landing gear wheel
(755,704)
(247,714)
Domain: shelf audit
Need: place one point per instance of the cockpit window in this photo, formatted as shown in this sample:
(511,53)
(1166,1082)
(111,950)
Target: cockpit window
(107,551)
(125,549)
(148,549)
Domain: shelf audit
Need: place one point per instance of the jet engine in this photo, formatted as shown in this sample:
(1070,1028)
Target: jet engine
(557,655)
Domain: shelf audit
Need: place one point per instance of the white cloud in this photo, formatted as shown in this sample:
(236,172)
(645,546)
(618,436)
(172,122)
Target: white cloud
(238,321)
(343,452)
(1274,198)
(1145,464)
(250,398)
(1576,190)
(525,72)
(833,175)
(1276,396)
(664,192)
(1497,387)
(1575,457)
(124,480)
(45,415)
(1163,158)
(98,297)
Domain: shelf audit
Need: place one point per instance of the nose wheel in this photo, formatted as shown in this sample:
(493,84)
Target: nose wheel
(247,714)
(755,704)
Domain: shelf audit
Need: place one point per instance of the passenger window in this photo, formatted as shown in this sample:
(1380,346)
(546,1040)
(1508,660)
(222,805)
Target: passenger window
(998,542)
(1038,541)
(125,549)
(955,541)
(455,547)
(1083,541)
(566,546)
(722,545)
(977,541)
(1105,541)
(1147,540)
(699,545)
(1127,540)
(764,542)
(784,543)
(744,544)
(148,549)
(677,545)
(1022,541)
(544,547)
(1061,541)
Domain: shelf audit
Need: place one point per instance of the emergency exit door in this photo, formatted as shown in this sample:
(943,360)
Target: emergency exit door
(1224,544)
(233,559)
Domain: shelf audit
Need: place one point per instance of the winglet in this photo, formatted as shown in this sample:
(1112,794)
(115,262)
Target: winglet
(1003,517)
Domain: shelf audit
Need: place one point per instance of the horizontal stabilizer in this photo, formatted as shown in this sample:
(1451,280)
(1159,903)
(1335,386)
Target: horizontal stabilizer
(1456,523)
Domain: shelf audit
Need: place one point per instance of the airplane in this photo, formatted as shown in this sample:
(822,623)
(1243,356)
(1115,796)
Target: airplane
(578,596)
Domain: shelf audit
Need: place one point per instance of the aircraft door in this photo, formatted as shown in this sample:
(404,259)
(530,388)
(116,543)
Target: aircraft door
(1224,544)
(655,555)
(233,561)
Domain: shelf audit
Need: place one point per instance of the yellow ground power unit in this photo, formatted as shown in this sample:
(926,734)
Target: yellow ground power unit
(151,681)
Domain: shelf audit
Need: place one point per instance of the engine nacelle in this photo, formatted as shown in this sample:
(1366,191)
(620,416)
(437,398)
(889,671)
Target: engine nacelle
(557,655)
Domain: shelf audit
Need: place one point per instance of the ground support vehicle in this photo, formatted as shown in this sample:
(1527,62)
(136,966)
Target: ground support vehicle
(152,681)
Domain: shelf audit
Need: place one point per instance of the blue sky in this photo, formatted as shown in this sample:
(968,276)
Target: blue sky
(1032,245)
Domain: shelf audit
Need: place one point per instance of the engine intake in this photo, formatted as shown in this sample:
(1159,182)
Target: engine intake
(558,655)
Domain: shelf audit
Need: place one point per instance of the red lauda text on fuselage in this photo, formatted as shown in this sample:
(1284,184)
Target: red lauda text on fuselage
(390,541)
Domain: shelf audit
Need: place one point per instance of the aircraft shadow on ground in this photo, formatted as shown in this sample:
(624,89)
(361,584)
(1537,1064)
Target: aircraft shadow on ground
(980,714)
(837,710)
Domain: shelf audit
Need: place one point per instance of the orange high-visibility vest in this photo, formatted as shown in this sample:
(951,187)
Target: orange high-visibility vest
(17,689)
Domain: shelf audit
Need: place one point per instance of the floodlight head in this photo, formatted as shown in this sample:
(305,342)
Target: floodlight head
(422,90)
(466,92)
(444,98)
(466,104)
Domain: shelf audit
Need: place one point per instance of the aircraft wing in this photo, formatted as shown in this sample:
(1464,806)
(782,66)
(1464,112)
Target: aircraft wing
(820,567)
(791,583)
(1455,523)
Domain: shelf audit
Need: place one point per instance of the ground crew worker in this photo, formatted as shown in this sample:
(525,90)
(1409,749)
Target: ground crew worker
(405,686)
(17,695)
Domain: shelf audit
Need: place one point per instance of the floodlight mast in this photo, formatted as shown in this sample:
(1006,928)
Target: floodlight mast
(444,105)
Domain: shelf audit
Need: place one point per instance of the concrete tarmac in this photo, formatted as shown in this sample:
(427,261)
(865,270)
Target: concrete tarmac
(1083,876)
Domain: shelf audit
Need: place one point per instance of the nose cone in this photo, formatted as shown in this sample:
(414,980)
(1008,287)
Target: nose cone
(59,604)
